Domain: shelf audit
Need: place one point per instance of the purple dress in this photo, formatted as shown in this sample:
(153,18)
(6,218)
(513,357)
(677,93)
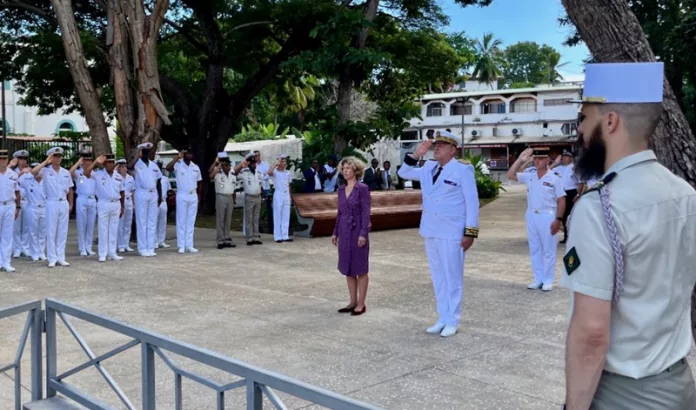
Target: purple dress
(353,221)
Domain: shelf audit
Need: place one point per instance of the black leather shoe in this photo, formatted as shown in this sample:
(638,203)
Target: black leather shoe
(359,312)
(220,246)
(230,245)
(250,243)
(289,240)
(257,242)
(347,309)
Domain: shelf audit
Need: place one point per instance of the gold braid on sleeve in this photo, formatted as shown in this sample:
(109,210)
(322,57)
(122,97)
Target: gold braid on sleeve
(472,232)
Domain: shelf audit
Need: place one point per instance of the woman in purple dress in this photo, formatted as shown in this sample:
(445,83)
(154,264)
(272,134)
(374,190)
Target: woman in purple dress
(351,233)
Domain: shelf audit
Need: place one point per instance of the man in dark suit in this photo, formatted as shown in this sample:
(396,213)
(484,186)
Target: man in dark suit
(312,178)
(373,176)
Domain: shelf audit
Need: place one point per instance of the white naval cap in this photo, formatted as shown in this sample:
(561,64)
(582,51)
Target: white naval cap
(145,145)
(222,155)
(34,164)
(121,161)
(21,153)
(249,156)
(55,150)
(623,83)
(282,156)
(447,137)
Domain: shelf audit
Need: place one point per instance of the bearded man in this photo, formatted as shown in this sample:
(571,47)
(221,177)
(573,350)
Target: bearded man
(630,260)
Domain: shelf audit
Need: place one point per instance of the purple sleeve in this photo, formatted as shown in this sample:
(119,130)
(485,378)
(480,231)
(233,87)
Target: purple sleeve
(366,204)
(338,216)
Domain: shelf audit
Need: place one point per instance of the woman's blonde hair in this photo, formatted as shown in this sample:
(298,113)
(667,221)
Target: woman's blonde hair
(358,166)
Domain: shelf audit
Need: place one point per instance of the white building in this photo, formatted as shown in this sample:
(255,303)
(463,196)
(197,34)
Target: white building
(499,124)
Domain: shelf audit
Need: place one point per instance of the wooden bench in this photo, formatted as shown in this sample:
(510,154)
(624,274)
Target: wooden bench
(390,210)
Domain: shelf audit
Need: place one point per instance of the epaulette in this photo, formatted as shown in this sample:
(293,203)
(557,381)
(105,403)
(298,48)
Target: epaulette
(465,161)
(557,174)
(607,179)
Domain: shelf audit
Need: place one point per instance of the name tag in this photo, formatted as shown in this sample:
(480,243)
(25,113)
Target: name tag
(450,183)
(547,184)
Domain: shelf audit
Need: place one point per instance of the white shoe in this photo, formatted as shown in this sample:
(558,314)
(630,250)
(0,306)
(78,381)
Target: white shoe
(90,253)
(16,254)
(435,329)
(129,249)
(83,253)
(182,251)
(164,245)
(152,253)
(63,263)
(535,285)
(547,287)
(51,264)
(145,254)
(121,250)
(115,258)
(43,258)
(102,259)
(9,268)
(192,250)
(449,331)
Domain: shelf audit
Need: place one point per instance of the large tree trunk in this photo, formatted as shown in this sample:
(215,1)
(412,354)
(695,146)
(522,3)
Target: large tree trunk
(346,79)
(613,34)
(89,97)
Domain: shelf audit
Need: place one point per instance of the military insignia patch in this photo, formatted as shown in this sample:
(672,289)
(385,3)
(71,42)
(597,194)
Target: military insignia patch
(571,260)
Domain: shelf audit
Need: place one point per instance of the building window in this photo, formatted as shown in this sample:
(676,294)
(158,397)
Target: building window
(459,109)
(66,125)
(7,85)
(409,136)
(569,128)
(552,102)
(494,107)
(435,110)
(523,105)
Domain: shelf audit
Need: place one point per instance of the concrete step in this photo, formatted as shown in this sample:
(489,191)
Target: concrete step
(53,403)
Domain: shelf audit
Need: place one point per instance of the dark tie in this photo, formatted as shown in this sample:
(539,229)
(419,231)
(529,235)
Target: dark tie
(437,174)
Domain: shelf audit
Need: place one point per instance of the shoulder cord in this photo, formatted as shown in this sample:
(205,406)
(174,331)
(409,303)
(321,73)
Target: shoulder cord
(616,246)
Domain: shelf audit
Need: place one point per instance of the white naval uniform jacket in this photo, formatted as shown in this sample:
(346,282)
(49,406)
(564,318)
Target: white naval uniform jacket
(450,205)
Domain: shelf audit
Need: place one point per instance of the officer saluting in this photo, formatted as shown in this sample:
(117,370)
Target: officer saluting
(146,200)
(9,210)
(545,207)
(630,260)
(449,222)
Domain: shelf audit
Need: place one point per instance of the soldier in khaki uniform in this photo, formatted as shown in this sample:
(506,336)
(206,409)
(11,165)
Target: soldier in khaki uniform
(630,263)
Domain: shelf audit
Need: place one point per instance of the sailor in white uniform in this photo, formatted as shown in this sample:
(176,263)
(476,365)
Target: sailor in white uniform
(545,208)
(163,186)
(282,178)
(58,186)
(111,199)
(20,243)
(449,222)
(86,202)
(9,210)
(188,191)
(35,213)
(146,199)
(126,220)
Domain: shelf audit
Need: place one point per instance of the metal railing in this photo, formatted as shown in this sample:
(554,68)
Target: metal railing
(32,325)
(257,382)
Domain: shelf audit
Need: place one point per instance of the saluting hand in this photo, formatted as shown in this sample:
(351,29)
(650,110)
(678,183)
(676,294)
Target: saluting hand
(13,163)
(527,154)
(100,160)
(423,148)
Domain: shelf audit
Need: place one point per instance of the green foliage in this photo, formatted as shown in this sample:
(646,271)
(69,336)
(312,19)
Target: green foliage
(528,62)
(487,187)
(489,59)
(261,132)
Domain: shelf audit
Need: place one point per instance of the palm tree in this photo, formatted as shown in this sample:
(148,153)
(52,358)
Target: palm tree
(552,65)
(489,59)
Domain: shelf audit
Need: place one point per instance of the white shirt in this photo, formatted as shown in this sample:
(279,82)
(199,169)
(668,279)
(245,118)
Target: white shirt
(166,187)
(146,176)
(225,184)
(56,184)
(330,183)
(263,168)
(655,216)
(84,186)
(109,187)
(570,181)
(317,181)
(251,181)
(128,186)
(22,193)
(8,186)
(187,177)
(542,193)
(281,181)
(33,189)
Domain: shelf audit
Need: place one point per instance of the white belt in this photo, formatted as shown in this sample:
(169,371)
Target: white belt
(110,199)
(11,201)
(56,199)
(146,190)
(543,211)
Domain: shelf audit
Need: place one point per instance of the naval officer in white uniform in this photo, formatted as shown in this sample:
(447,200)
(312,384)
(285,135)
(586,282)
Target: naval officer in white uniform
(36,213)
(282,178)
(188,191)
(146,200)
(9,210)
(86,202)
(110,196)
(20,243)
(58,186)
(126,220)
(449,222)
(545,208)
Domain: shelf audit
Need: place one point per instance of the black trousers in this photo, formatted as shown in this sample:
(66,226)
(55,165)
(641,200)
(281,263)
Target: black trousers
(570,197)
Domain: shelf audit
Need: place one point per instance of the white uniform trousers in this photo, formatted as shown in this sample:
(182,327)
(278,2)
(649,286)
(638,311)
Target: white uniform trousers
(542,245)
(146,219)
(446,261)
(7,220)
(36,216)
(186,212)
(85,217)
(108,211)
(56,229)
(20,242)
(281,218)
(161,233)
(124,225)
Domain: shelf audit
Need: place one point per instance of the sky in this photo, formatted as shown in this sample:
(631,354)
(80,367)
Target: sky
(513,21)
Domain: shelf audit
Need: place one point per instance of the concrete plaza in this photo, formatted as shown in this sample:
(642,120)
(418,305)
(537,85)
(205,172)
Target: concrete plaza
(274,306)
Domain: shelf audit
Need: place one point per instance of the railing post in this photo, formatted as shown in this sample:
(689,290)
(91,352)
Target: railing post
(254,396)
(148,377)
(36,355)
(51,350)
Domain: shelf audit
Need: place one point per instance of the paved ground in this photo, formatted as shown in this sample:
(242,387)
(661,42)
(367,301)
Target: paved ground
(274,306)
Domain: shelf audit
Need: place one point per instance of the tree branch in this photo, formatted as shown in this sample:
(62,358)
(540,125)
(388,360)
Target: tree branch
(17,5)
(187,34)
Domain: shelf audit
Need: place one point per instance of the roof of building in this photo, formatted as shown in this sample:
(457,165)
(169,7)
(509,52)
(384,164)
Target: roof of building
(450,96)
